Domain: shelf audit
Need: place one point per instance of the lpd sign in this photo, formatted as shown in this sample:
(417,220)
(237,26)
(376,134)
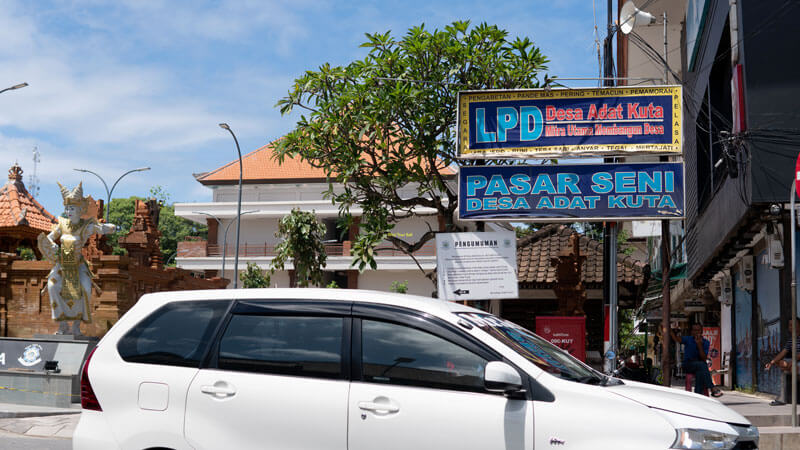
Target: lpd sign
(567,122)
(560,193)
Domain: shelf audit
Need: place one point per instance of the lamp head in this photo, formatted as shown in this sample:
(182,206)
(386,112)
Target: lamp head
(631,16)
(225,126)
(18,86)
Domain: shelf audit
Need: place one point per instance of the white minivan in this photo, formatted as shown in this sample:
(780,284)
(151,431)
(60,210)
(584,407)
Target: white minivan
(363,370)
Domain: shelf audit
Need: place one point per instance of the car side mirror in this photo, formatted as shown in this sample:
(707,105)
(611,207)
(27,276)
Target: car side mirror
(501,377)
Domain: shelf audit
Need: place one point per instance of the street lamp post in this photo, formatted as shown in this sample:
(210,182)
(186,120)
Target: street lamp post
(16,86)
(109,192)
(225,126)
(225,236)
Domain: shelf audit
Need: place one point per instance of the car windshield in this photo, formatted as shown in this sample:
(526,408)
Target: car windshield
(545,355)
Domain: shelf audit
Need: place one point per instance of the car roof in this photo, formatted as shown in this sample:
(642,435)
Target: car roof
(426,304)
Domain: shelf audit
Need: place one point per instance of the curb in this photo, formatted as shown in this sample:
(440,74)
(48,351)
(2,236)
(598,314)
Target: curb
(26,414)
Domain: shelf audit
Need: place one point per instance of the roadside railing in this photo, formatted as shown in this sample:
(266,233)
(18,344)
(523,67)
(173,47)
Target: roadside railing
(343,249)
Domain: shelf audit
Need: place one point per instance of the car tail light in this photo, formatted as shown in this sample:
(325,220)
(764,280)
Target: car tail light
(88,399)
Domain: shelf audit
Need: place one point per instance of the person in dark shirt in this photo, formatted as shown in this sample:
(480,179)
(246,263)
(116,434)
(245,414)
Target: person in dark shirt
(783,360)
(695,351)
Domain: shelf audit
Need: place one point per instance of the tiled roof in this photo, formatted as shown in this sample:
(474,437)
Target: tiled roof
(535,253)
(261,165)
(18,208)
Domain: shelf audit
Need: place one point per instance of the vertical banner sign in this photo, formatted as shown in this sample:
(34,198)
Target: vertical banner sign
(587,192)
(714,356)
(477,266)
(540,123)
(567,333)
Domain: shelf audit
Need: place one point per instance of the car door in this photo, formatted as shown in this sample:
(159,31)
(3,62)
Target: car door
(418,389)
(277,378)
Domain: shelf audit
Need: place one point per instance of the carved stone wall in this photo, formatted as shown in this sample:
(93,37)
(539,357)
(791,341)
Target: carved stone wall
(25,309)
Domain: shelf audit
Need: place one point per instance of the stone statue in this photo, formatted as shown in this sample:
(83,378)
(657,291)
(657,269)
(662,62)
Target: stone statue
(70,282)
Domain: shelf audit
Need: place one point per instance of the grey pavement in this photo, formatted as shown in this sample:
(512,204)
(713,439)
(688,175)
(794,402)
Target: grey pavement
(773,422)
(59,426)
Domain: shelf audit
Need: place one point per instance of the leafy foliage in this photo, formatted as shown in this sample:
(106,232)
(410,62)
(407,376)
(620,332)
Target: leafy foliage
(26,253)
(383,127)
(253,277)
(333,285)
(302,237)
(628,338)
(399,287)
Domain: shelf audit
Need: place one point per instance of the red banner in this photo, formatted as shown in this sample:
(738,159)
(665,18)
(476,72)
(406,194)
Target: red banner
(568,333)
(714,355)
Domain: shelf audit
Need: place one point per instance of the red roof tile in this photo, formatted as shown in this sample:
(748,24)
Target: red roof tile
(18,208)
(261,165)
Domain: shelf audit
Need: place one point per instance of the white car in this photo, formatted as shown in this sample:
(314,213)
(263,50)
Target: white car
(363,370)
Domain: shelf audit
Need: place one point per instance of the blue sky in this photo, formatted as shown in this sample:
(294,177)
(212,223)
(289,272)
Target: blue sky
(116,85)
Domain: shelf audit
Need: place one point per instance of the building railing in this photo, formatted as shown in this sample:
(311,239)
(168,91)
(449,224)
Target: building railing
(343,249)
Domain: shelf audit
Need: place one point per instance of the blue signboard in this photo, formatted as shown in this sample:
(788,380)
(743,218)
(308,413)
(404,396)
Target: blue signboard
(539,123)
(567,193)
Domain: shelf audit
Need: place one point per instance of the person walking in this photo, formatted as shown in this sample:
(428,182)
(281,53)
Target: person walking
(783,361)
(695,354)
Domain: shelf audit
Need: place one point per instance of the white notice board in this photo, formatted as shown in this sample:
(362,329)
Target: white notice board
(477,266)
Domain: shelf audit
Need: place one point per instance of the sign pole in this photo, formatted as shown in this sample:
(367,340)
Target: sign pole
(794,301)
(611,279)
(666,366)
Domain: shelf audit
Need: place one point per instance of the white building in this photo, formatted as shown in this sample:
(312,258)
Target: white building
(272,190)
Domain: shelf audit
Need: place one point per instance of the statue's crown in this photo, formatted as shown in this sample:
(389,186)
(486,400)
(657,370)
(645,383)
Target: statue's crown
(73,197)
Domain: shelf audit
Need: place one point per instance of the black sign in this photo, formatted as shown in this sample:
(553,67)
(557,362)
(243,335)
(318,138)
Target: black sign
(26,354)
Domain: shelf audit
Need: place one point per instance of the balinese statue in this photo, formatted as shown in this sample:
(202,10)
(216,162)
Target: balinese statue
(69,284)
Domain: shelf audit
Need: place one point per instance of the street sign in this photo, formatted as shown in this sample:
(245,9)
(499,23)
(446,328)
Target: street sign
(477,266)
(569,193)
(536,123)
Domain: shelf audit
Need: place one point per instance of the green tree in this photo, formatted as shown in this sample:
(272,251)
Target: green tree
(387,122)
(26,253)
(399,287)
(253,277)
(628,337)
(302,237)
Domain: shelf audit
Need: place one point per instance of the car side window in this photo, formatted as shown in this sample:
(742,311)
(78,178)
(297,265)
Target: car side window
(397,354)
(177,334)
(283,345)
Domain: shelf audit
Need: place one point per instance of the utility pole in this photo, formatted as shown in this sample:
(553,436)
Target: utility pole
(33,181)
(666,265)
(610,228)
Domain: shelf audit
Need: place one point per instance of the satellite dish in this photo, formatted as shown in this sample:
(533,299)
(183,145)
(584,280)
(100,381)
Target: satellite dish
(630,16)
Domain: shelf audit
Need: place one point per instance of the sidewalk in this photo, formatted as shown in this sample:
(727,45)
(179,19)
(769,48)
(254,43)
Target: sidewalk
(773,422)
(39,421)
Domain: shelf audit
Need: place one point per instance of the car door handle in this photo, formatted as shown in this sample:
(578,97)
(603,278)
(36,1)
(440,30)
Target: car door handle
(219,391)
(378,407)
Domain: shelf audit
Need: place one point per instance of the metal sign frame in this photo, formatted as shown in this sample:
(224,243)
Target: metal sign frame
(462,197)
(466,98)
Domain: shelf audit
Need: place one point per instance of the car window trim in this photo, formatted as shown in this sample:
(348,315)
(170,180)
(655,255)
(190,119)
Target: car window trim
(292,307)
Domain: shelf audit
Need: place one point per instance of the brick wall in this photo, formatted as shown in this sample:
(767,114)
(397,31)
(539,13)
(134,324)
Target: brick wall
(193,248)
(25,309)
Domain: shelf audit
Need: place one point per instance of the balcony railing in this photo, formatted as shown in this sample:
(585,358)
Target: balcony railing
(265,249)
